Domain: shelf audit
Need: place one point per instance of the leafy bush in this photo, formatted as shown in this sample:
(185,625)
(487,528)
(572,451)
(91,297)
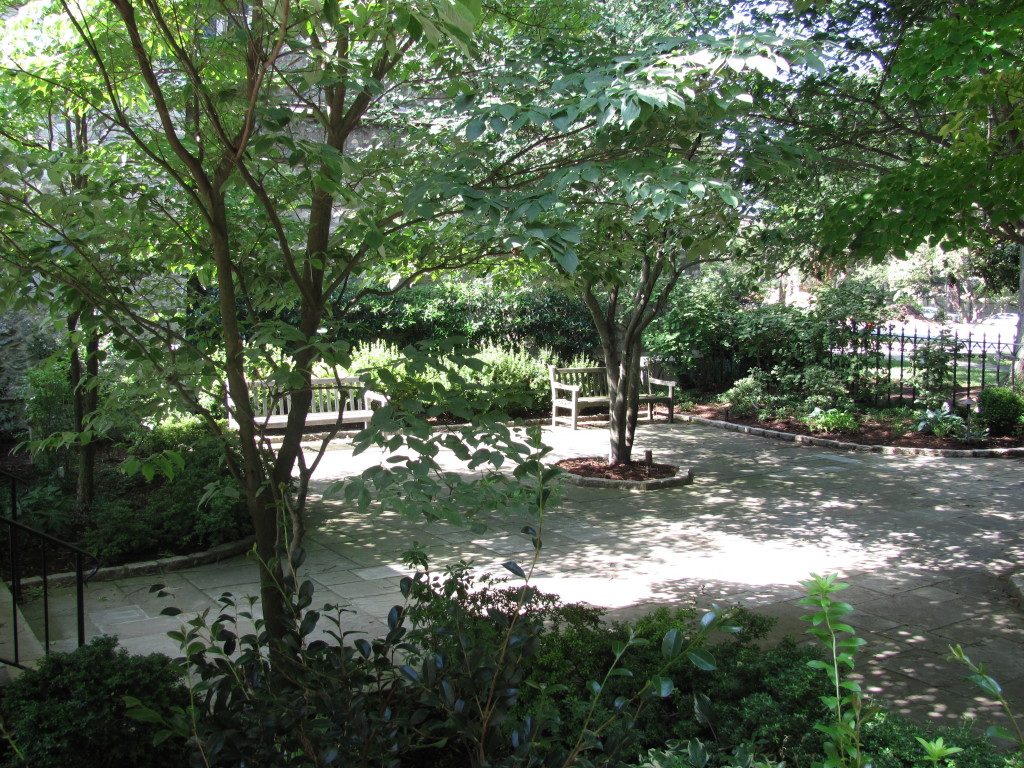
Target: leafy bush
(517,375)
(70,710)
(48,508)
(892,742)
(1001,410)
(487,674)
(751,697)
(815,387)
(748,395)
(933,373)
(513,380)
(832,420)
(942,422)
(717,335)
(118,533)
(479,311)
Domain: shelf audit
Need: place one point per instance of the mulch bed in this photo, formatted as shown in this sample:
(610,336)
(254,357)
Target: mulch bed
(594,466)
(871,432)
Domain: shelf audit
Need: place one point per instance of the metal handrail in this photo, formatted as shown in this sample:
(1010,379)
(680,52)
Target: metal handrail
(15,527)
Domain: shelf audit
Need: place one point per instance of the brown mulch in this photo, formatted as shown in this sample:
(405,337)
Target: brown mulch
(871,432)
(594,466)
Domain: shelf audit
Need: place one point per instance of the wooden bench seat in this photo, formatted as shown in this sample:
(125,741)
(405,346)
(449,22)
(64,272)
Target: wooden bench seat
(335,401)
(573,389)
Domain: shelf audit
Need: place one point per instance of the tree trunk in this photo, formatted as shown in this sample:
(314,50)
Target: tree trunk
(1019,336)
(85,399)
(623,401)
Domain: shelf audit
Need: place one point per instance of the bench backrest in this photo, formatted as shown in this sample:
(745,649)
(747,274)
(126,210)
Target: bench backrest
(593,382)
(268,399)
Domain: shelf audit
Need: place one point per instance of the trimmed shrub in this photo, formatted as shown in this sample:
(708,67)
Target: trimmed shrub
(71,711)
(1001,410)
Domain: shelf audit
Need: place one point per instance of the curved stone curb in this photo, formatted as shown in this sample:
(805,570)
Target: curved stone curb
(147,567)
(891,450)
(685,478)
(1015,586)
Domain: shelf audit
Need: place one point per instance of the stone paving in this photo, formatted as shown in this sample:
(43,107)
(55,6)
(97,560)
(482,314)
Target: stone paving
(926,544)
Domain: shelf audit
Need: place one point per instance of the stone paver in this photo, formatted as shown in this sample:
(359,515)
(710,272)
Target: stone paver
(926,543)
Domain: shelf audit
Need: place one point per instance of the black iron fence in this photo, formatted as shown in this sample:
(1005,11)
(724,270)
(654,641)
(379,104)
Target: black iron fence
(942,364)
(885,365)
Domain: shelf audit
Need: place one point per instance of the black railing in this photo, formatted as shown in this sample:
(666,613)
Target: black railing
(958,365)
(16,533)
(890,365)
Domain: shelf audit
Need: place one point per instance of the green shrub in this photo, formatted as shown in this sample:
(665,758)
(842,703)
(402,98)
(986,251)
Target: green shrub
(48,508)
(891,741)
(70,710)
(512,380)
(170,435)
(1001,410)
(117,532)
(748,395)
(815,387)
(769,699)
(517,375)
(480,311)
(933,373)
(832,420)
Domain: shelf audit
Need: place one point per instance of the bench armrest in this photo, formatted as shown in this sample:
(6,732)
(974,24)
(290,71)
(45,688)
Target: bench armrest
(664,383)
(376,397)
(557,385)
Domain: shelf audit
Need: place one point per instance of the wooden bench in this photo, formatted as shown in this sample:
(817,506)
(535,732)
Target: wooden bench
(576,388)
(335,402)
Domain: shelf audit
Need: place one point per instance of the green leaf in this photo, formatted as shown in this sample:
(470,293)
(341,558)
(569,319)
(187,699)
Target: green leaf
(474,7)
(475,128)
(331,12)
(662,687)
(630,111)
(728,197)
(514,567)
(671,644)
(702,659)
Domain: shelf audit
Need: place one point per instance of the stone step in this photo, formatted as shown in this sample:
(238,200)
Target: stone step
(30,650)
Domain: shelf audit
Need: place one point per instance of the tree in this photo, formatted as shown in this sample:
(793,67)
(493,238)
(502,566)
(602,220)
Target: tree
(677,207)
(276,156)
(917,131)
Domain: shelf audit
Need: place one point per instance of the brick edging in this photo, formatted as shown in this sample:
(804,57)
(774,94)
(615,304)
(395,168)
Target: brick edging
(891,450)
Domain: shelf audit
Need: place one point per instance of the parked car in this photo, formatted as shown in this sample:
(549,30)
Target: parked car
(929,313)
(1003,318)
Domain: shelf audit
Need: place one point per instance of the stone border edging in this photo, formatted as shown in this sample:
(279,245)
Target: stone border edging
(891,450)
(147,567)
(686,478)
(1015,586)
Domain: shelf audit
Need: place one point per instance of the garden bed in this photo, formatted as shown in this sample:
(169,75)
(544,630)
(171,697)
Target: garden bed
(874,430)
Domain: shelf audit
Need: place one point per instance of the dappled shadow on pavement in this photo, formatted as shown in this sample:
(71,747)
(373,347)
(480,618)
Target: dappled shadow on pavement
(925,543)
